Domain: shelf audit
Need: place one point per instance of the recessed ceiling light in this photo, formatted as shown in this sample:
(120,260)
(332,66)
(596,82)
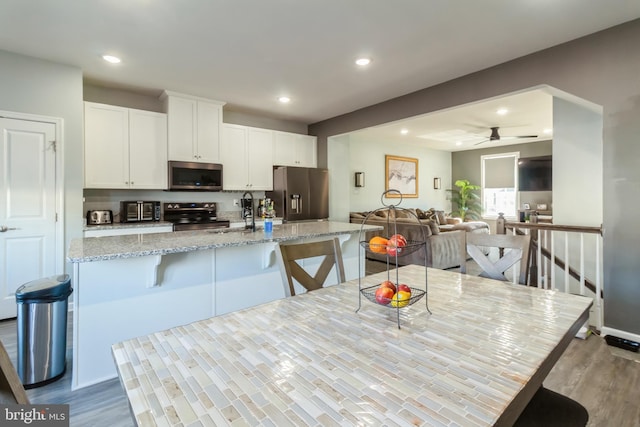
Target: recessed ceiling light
(111,59)
(547,131)
(459,143)
(284,99)
(404,131)
(363,61)
(502,111)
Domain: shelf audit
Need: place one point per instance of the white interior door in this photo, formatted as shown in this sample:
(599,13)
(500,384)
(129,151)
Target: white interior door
(27,206)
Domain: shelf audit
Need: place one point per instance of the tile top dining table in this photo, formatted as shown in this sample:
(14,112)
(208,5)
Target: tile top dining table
(475,360)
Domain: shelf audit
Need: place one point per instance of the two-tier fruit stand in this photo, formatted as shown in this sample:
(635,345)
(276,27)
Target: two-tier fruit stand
(393,247)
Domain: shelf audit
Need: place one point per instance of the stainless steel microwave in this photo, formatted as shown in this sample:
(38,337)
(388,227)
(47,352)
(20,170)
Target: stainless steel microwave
(194,176)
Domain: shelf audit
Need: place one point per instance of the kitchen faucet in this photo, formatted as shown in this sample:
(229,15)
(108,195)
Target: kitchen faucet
(253,217)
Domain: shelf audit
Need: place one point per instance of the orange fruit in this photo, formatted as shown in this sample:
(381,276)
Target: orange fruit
(378,244)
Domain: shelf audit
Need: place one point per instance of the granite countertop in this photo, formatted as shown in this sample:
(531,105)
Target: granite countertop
(90,249)
(312,360)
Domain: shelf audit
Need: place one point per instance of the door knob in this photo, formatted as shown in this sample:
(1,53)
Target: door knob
(4,228)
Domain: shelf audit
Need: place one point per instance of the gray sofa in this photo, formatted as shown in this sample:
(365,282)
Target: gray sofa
(443,249)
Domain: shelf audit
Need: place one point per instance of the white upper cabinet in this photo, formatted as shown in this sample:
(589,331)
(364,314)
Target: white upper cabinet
(124,148)
(194,128)
(292,149)
(247,158)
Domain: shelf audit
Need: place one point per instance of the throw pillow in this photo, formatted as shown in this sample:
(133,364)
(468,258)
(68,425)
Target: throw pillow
(400,213)
(433,226)
(431,214)
(441,217)
(421,214)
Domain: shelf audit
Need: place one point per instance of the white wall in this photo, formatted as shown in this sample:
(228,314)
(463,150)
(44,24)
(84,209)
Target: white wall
(577,183)
(349,154)
(34,86)
(577,164)
(341,181)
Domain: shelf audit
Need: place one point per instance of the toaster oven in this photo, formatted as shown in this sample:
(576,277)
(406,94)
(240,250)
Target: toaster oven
(139,211)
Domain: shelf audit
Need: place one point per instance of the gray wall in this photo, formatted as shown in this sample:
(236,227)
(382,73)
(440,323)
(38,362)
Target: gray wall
(602,68)
(466,165)
(34,86)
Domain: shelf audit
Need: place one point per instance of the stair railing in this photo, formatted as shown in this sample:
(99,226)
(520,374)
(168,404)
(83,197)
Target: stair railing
(544,260)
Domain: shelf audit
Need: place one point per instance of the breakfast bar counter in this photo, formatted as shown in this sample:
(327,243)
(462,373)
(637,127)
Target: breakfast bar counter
(311,359)
(136,245)
(132,285)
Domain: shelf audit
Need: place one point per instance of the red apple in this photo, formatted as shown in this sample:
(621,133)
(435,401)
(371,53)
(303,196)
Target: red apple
(404,288)
(389,284)
(384,295)
(395,244)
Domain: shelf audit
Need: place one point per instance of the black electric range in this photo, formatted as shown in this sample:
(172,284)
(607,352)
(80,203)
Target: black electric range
(193,216)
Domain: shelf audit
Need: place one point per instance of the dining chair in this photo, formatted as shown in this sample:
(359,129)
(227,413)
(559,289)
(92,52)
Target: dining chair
(290,268)
(11,388)
(518,245)
(550,409)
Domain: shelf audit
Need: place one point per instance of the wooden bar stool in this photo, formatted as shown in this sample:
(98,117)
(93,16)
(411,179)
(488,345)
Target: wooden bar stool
(289,254)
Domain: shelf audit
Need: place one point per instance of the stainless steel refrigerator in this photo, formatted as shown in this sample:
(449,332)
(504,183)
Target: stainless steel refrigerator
(300,194)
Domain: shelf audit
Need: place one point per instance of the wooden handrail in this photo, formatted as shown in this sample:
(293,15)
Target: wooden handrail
(502,225)
(546,226)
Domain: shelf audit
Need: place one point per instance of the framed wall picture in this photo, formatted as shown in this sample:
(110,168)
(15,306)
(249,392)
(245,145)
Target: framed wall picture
(401,174)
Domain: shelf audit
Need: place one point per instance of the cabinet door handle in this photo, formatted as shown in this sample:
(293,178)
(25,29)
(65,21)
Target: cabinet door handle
(4,228)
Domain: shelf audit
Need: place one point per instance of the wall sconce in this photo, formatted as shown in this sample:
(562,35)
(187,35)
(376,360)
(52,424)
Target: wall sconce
(436,183)
(359,179)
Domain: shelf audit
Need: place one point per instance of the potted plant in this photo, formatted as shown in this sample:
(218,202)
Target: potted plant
(466,200)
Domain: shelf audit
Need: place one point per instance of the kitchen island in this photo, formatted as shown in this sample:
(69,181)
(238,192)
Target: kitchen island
(132,285)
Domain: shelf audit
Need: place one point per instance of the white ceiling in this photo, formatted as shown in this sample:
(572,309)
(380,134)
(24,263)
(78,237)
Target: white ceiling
(248,52)
(468,127)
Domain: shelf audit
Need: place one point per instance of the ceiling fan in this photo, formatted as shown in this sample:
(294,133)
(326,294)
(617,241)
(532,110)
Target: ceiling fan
(495,136)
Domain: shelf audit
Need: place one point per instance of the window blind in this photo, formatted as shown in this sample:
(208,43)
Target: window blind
(499,172)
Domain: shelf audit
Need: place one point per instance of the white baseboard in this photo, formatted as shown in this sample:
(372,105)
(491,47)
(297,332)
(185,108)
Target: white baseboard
(620,334)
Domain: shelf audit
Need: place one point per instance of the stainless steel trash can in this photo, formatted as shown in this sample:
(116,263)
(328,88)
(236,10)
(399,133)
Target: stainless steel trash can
(42,329)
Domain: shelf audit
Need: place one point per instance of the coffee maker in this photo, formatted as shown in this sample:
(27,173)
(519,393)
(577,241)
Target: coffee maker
(247,208)
(247,211)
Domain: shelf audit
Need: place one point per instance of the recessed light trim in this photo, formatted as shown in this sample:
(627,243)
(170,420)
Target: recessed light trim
(547,131)
(111,59)
(284,99)
(404,131)
(502,111)
(363,62)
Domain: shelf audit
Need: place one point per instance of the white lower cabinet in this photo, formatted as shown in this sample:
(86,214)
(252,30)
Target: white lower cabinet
(247,158)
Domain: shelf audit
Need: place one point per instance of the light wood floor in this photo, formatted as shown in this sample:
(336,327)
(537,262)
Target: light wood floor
(588,372)
(102,405)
